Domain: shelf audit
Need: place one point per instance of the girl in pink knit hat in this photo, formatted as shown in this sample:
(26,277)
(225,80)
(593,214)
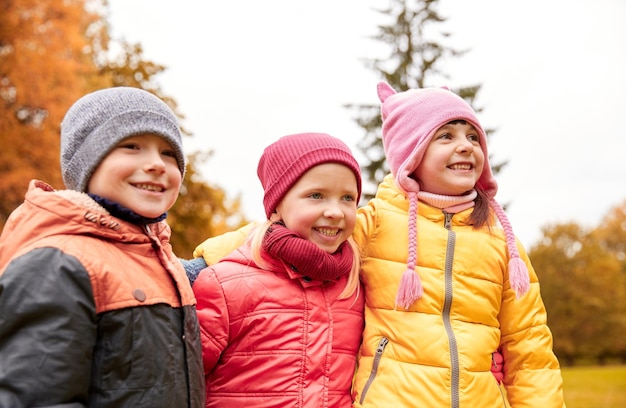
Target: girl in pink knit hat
(281,317)
(445,279)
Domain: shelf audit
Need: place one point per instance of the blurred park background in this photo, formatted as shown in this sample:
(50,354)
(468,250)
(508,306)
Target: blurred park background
(53,52)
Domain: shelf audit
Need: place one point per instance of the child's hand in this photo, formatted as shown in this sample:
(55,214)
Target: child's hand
(497,366)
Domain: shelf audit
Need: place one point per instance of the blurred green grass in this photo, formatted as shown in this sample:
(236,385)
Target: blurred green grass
(595,386)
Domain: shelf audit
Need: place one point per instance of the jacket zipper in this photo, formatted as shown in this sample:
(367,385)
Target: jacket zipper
(454,355)
(377,357)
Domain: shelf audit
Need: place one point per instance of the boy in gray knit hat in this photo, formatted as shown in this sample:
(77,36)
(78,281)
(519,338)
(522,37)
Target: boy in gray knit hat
(98,121)
(96,301)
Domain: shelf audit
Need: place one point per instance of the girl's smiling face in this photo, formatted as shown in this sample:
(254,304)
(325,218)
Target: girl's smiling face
(453,161)
(321,206)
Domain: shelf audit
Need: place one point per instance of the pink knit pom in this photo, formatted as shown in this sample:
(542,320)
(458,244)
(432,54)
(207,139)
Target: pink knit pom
(518,276)
(410,289)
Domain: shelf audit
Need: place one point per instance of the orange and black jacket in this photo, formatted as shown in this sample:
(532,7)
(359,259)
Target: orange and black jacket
(94,311)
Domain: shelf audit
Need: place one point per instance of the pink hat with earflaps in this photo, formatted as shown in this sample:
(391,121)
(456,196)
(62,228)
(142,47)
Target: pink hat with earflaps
(410,119)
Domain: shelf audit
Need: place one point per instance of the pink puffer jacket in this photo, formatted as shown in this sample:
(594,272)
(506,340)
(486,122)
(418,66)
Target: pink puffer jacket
(271,339)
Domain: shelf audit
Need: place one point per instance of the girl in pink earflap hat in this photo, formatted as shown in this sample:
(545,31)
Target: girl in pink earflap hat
(446,282)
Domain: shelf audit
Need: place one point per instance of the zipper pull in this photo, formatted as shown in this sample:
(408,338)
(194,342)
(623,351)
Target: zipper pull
(382,345)
(448,220)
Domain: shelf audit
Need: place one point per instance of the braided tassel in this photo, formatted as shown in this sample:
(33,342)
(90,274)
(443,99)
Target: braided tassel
(518,272)
(518,276)
(410,289)
(410,285)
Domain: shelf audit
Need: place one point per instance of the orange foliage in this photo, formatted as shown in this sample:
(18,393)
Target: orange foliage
(45,67)
(52,53)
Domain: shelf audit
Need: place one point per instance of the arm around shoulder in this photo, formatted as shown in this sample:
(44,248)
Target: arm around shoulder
(216,248)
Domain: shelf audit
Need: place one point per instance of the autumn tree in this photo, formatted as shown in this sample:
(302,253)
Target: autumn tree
(417,51)
(584,290)
(611,236)
(51,54)
(612,232)
(43,69)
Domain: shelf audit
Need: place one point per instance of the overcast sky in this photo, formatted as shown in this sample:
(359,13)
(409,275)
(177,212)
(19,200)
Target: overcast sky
(553,75)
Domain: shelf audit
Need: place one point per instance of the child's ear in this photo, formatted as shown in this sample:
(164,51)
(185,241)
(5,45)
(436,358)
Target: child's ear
(275,217)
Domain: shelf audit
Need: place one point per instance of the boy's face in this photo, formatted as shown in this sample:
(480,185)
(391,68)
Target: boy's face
(321,206)
(141,174)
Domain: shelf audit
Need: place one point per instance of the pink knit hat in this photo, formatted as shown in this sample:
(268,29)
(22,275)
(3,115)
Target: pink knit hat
(286,160)
(410,120)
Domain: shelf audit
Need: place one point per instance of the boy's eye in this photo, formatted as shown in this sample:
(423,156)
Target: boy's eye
(444,136)
(129,146)
(169,153)
(315,195)
(473,138)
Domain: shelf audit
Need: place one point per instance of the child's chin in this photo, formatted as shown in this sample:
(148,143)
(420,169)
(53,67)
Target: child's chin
(329,249)
(149,214)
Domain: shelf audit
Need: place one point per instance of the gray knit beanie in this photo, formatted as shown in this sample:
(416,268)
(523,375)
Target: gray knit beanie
(98,121)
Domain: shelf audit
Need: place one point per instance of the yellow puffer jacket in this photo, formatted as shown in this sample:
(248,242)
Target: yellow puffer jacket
(438,353)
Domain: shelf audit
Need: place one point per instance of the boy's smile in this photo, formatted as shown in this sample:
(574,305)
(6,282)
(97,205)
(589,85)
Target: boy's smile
(140,173)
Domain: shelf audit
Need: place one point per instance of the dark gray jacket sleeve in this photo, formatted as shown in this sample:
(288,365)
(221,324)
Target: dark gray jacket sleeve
(47,331)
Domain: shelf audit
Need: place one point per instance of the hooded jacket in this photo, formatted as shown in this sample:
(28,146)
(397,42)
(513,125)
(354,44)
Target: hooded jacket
(271,338)
(438,352)
(95,311)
